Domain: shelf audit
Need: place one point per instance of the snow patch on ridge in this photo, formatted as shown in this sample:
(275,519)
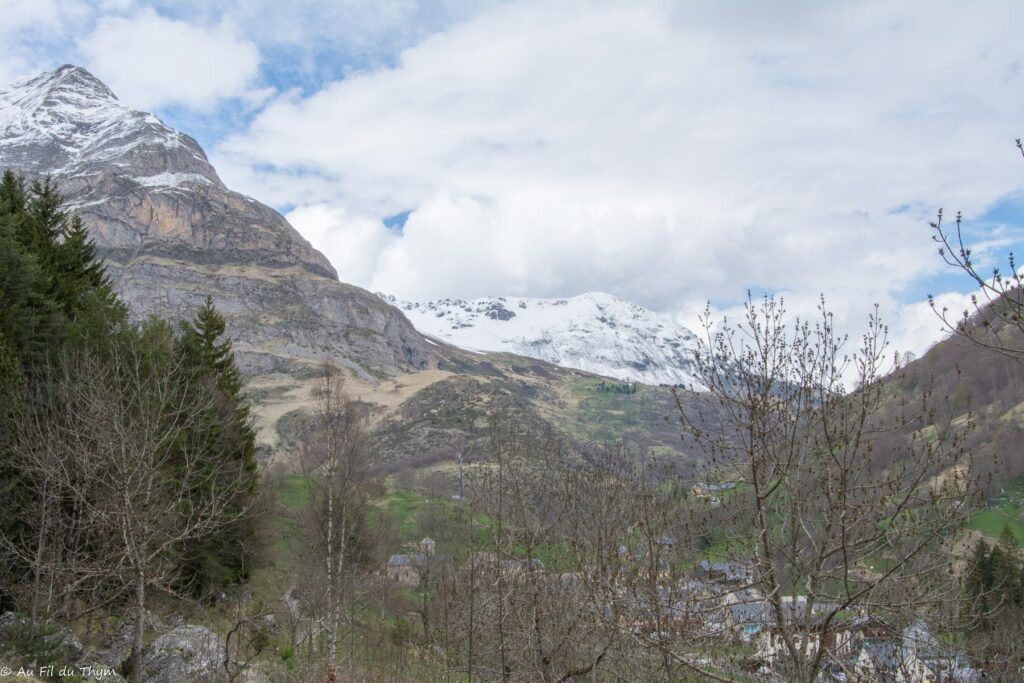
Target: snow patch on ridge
(170,179)
(594,332)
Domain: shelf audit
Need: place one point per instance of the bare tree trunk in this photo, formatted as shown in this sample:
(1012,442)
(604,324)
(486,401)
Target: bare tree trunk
(135,675)
(472,605)
(424,598)
(334,462)
(41,549)
(332,621)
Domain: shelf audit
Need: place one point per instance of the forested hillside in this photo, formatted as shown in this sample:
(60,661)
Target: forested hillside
(127,451)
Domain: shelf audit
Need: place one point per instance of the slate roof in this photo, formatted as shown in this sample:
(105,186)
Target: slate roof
(405,560)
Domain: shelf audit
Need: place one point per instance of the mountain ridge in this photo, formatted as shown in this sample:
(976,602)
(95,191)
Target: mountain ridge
(593,332)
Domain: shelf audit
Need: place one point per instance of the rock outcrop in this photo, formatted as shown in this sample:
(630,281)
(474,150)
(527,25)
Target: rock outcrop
(187,653)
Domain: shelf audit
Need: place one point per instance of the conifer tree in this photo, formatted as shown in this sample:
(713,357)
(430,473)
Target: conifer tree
(12,492)
(207,351)
(77,276)
(27,316)
(1006,568)
(11,385)
(994,576)
(55,286)
(79,272)
(12,194)
(39,221)
(214,563)
(50,279)
(59,305)
(979,575)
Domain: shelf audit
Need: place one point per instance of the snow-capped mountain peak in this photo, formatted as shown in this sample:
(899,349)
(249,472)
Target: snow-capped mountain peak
(595,332)
(69,89)
(69,124)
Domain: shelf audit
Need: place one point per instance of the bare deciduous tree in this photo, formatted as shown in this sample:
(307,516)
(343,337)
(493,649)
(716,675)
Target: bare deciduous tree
(995,318)
(335,461)
(534,596)
(118,484)
(846,494)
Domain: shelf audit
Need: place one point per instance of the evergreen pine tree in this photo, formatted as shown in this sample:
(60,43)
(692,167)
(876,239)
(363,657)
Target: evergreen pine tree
(27,316)
(56,298)
(213,563)
(1007,540)
(12,385)
(12,195)
(42,221)
(206,350)
(54,284)
(1006,567)
(52,288)
(978,580)
(79,272)
(65,252)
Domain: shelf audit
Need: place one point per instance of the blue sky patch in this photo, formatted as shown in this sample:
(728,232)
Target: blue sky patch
(397,221)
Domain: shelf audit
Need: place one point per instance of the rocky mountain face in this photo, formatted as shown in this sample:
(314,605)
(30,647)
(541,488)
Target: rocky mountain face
(172,233)
(594,332)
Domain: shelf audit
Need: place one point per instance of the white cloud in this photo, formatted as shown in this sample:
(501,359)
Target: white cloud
(153,61)
(352,243)
(29,29)
(116,5)
(911,327)
(662,155)
(919,326)
(20,16)
(661,151)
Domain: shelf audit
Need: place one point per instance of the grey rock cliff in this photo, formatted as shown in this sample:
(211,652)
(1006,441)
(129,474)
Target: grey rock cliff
(187,653)
(172,233)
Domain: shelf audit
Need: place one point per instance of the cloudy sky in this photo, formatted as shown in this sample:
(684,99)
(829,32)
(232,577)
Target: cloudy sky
(667,152)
